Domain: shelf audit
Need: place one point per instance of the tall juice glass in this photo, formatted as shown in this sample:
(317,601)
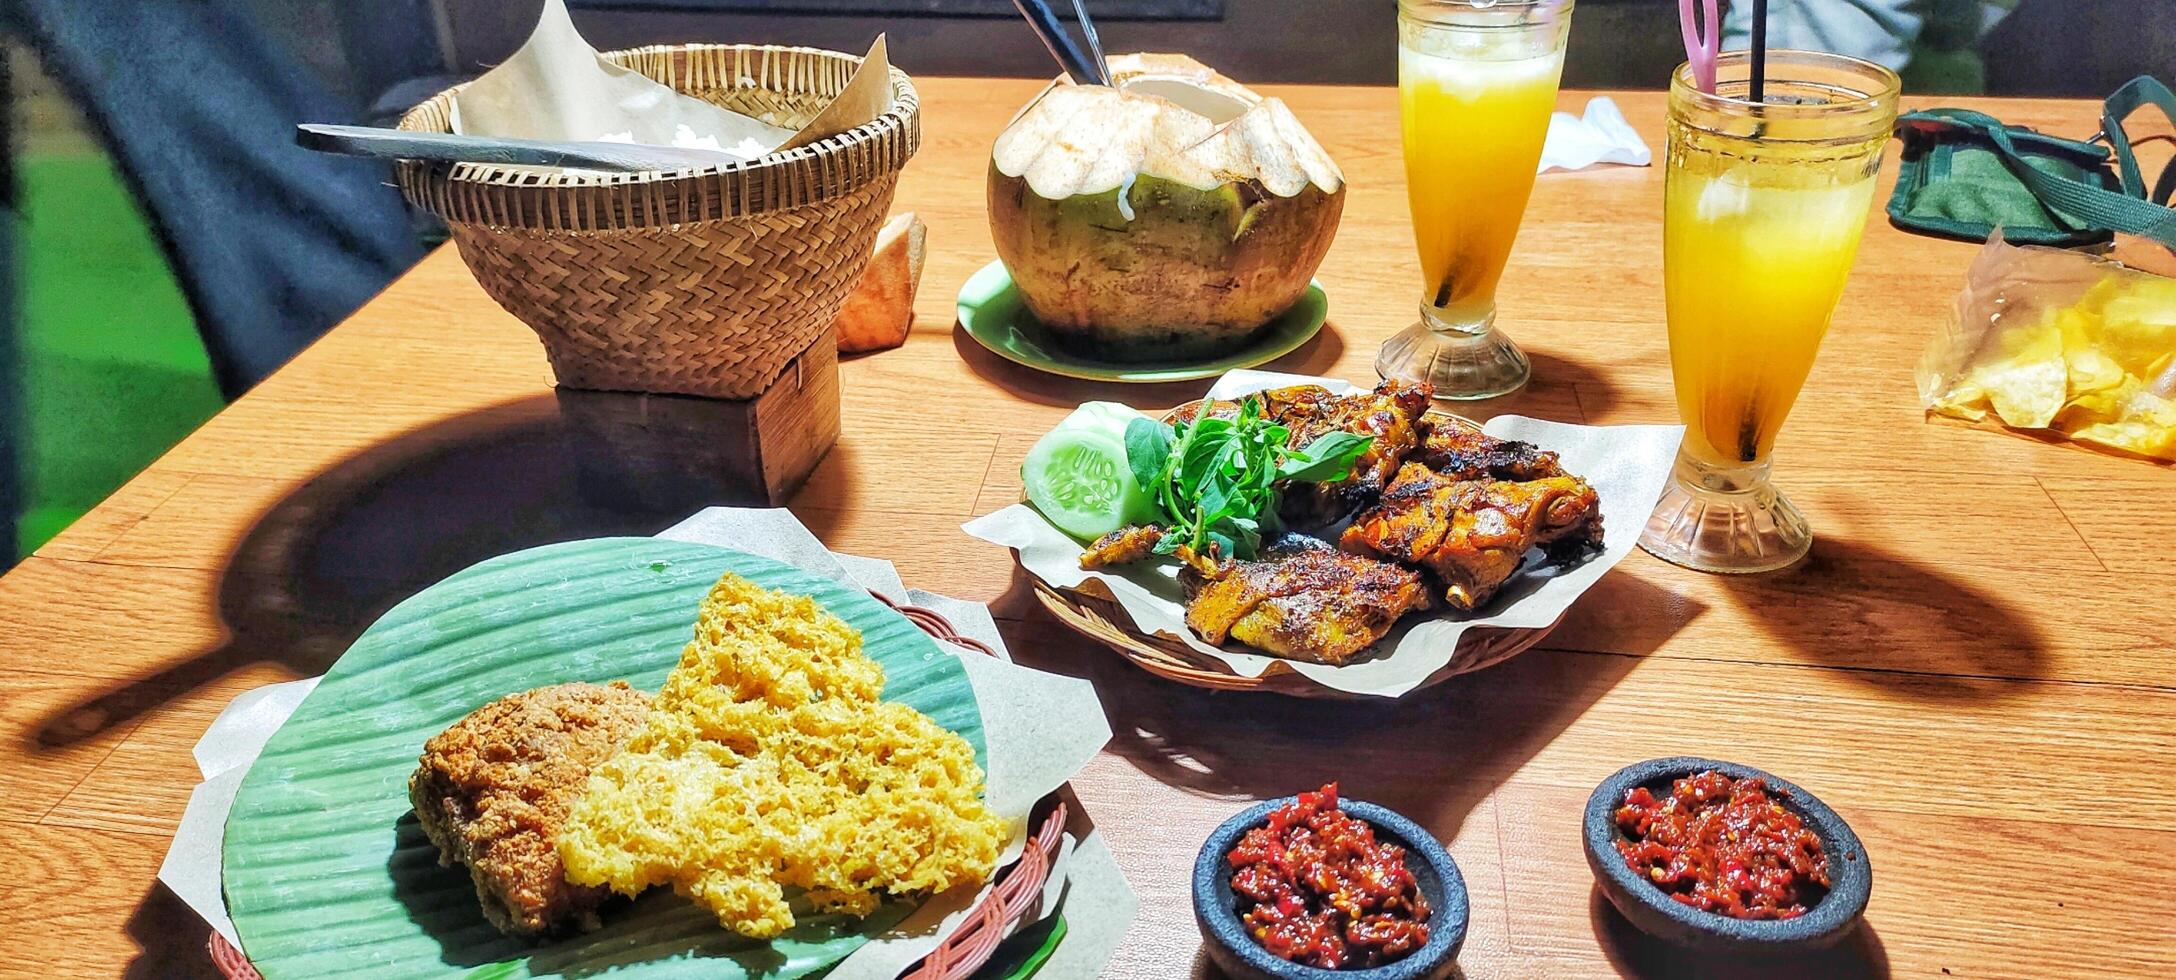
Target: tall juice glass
(1478,79)
(1763,207)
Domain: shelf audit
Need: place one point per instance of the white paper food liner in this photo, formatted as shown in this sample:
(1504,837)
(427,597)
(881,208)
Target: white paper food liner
(557,87)
(1628,465)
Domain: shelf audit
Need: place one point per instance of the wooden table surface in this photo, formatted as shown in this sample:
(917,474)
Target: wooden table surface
(1974,665)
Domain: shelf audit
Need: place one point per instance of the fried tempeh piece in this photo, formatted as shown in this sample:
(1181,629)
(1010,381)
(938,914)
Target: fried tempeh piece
(1474,534)
(493,792)
(1124,546)
(1301,600)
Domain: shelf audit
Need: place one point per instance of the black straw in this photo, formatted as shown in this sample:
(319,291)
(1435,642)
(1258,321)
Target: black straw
(1759,81)
(1060,43)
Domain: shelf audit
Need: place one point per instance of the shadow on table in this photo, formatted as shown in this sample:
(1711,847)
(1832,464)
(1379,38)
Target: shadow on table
(1561,391)
(345,546)
(1432,755)
(170,938)
(1893,622)
(1317,356)
(1858,956)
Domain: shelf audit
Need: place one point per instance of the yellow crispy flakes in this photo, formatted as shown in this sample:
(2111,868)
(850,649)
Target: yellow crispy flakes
(2101,370)
(768,763)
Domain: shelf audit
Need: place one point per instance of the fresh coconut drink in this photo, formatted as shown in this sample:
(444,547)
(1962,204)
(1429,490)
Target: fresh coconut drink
(1174,215)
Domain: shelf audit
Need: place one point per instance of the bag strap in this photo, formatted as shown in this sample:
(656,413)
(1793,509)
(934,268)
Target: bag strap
(2139,212)
(2096,206)
(2136,94)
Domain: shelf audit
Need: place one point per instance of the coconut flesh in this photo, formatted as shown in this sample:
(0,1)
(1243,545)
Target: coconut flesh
(1171,216)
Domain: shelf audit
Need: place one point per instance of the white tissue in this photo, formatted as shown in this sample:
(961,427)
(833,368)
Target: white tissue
(1602,136)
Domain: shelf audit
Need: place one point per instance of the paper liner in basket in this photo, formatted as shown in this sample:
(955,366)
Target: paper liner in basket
(1628,466)
(557,87)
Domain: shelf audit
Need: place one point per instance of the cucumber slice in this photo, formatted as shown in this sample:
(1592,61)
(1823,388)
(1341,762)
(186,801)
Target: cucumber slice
(1109,418)
(1079,479)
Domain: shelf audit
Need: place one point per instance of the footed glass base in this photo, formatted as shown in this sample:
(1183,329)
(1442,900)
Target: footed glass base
(1728,521)
(1461,366)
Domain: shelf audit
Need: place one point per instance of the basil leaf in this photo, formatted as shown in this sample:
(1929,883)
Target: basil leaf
(1328,459)
(1215,501)
(1249,538)
(1225,546)
(1148,451)
(1200,458)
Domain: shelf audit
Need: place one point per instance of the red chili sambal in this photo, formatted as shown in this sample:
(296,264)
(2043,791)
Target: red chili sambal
(1724,845)
(1315,887)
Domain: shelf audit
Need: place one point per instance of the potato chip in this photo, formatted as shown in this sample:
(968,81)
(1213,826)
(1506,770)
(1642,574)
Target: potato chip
(2030,383)
(2142,422)
(2138,321)
(2092,371)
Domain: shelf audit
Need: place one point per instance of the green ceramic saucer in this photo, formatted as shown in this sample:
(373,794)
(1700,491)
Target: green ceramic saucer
(991,311)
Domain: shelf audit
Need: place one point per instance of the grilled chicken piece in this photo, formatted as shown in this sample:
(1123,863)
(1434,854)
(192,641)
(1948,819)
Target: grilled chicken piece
(1278,404)
(1392,414)
(1474,534)
(1459,452)
(1122,547)
(1301,600)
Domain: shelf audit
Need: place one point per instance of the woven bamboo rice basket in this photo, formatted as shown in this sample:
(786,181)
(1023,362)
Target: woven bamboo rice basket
(701,282)
(1093,613)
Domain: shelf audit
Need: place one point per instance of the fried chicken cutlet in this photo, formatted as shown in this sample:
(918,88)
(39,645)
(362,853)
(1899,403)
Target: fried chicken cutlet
(494,790)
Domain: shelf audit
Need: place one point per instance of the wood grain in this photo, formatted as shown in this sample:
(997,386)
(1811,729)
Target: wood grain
(1973,666)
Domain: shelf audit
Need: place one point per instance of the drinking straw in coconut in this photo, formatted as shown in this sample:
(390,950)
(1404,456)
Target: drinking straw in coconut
(1701,48)
(1095,44)
(1759,81)
(1070,58)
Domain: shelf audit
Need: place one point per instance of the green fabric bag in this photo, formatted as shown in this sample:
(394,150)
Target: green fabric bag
(1966,174)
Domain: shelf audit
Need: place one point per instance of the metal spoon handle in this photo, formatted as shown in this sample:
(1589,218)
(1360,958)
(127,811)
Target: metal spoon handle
(401,144)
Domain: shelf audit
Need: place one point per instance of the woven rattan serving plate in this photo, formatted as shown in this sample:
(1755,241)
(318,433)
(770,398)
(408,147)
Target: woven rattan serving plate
(1102,619)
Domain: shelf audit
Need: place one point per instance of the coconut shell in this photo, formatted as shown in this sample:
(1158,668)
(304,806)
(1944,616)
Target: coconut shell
(1228,207)
(1194,273)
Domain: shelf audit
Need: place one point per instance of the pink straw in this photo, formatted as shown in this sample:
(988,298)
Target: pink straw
(1701,49)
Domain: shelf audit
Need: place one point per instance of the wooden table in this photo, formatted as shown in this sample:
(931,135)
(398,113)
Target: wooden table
(1973,666)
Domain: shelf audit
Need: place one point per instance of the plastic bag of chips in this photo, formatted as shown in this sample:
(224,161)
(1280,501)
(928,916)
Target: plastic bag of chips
(2049,339)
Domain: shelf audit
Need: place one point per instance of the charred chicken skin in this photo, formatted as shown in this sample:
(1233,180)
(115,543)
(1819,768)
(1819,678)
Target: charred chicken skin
(1474,534)
(1463,453)
(1301,600)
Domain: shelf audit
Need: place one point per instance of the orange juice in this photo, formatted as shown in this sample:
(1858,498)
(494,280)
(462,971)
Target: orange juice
(1475,117)
(1764,202)
(1755,256)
